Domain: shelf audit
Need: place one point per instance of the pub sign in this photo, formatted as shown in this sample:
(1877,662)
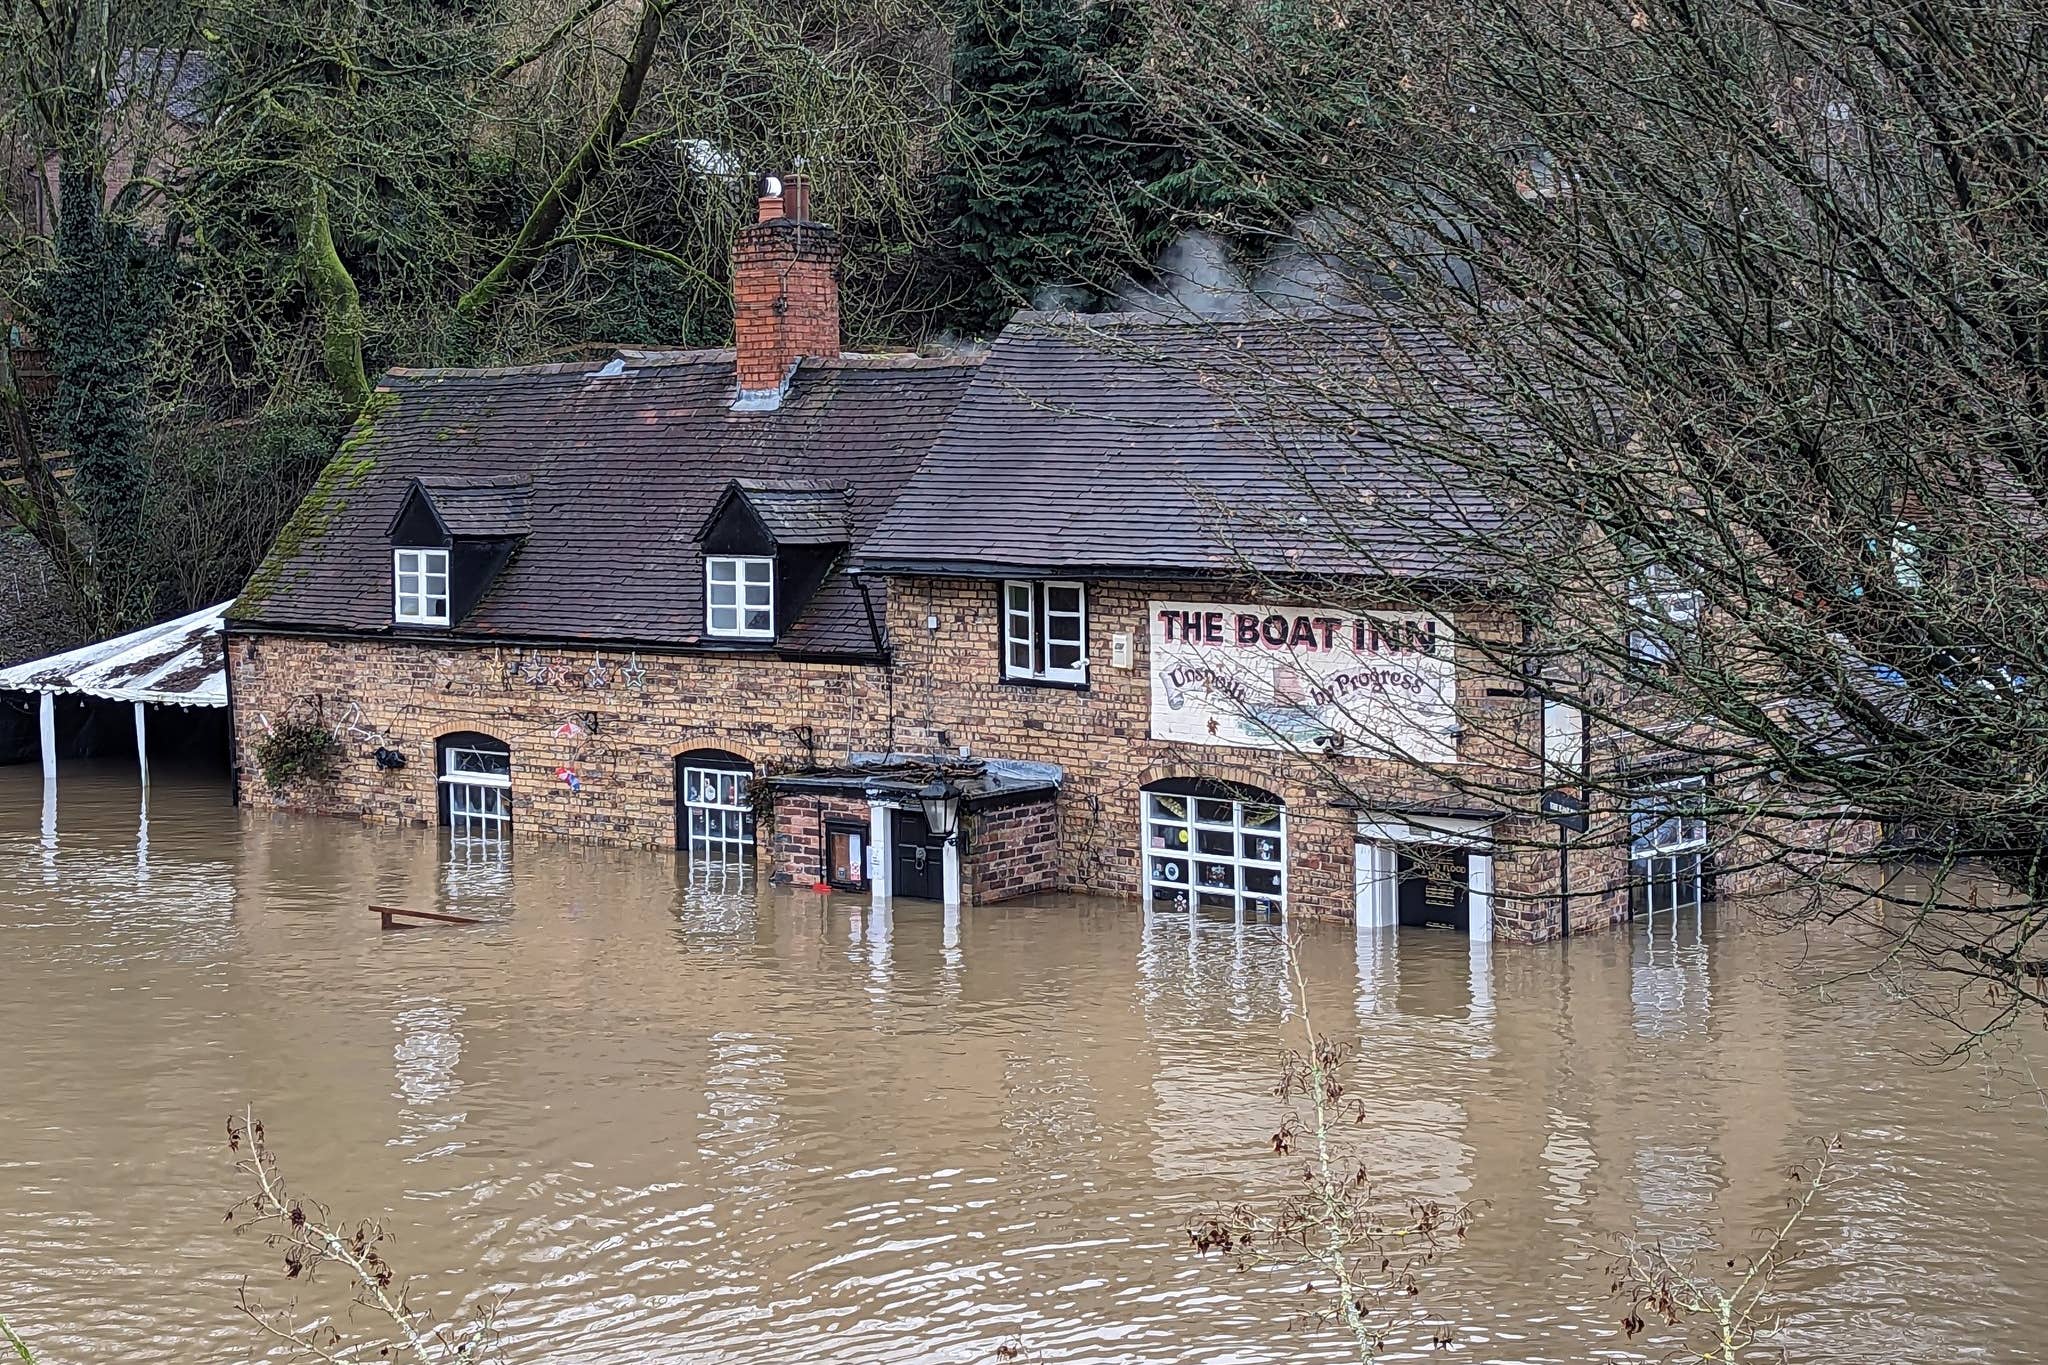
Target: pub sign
(1264,677)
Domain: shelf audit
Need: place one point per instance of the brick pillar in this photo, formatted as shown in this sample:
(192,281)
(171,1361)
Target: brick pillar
(785,296)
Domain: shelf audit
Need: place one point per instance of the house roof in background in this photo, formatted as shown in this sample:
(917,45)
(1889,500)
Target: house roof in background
(1123,445)
(624,464)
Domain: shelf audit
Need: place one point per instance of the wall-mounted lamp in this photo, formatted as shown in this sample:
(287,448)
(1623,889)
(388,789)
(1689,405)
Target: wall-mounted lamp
(941,802)
(388,759)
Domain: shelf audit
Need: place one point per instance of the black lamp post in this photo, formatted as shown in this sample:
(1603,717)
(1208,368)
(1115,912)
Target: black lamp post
(941,802)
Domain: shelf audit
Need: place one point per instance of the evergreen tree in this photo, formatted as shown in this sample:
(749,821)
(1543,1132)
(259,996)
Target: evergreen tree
(1034,156)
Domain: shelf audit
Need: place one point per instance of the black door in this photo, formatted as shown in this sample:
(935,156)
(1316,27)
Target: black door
(919,866)
(1435,890)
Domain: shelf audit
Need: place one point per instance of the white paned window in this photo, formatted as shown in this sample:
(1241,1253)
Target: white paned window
(1215,853)
(718,813)
(1564,741)
(1667,611)
(739,597)
(1906,558)
(1045,632)
(1667,827)
(477,784)
(419,584)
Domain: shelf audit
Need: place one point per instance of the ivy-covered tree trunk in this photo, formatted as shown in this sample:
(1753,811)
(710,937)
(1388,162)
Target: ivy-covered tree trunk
(560,199)
(99,307)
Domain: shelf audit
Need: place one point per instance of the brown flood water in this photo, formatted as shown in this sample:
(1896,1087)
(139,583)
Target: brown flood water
(670,1125)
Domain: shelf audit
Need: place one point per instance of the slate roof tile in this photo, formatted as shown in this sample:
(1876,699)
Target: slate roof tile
(623,469)
(1102,444)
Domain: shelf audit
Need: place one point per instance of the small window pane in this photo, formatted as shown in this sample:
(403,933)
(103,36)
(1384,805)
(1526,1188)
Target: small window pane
(724,571)
(758,621)
(758,571)
(408,606)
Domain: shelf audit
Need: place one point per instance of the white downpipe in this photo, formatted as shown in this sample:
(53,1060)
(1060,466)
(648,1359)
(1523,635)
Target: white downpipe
(142,741)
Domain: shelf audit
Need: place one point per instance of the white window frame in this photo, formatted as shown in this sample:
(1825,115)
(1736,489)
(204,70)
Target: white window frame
(1564,741)
(718,814)
(479,797)
(423,572)
(1908,564)
(743,604)
(1663,606)
(1033,628)
(1670,870)
(1205,878)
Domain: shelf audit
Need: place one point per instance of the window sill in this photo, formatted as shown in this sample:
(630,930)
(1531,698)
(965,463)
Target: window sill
(1043,684)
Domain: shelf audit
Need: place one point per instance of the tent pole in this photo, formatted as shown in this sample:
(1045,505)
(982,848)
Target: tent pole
(47,716)
(142,742)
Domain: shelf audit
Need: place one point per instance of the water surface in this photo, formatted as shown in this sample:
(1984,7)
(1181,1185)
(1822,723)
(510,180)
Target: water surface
(672,1123)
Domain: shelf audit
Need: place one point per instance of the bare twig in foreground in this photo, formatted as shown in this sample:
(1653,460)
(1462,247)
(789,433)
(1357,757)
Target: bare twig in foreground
(311,1238)
(1337,1224)
(1725,1323)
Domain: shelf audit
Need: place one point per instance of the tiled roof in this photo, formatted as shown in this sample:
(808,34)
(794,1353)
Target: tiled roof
(1123,445)
(623,467)
(484,508)
(797,512)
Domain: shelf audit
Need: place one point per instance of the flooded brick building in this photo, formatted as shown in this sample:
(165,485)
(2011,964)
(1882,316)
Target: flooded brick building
(960,628)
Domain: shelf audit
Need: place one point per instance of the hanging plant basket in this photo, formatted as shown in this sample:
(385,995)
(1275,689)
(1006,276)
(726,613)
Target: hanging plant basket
(298,751)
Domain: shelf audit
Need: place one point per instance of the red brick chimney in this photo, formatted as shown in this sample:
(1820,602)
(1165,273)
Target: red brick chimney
(785,293)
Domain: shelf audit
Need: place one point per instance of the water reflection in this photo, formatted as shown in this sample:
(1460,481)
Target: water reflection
(670,1118)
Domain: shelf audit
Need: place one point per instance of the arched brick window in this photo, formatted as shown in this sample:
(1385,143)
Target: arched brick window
(1219,846)
(715,807)
(475,779)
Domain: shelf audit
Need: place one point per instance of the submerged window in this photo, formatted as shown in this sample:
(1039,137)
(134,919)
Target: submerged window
(476,786)
(419,587)
(717,812)
(739,597)
(846,858)
(1668,859)
(1045,632)
(1212,847)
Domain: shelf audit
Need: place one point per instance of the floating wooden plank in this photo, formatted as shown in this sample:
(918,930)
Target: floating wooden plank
(398,917)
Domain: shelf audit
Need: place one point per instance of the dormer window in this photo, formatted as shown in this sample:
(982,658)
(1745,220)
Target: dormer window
(419,587)
(449,539)
(739,597)
(768,546)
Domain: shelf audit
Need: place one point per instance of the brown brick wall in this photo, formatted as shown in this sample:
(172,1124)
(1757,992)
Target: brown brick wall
(1011,851)
(796,851)
(785,296)
(404,695)
(949,692)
